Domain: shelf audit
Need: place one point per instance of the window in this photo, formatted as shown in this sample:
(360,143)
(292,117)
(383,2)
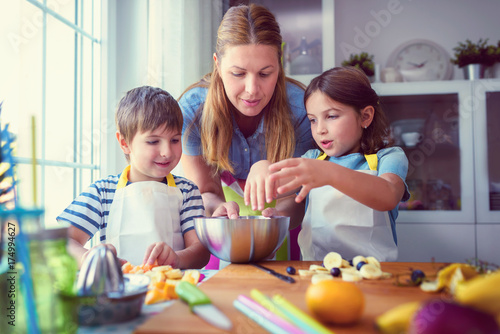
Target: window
(51,72)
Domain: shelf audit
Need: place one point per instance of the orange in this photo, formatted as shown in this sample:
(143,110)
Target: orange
(336,302)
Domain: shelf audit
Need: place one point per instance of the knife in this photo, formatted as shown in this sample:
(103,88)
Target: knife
(285,278)
(200,304)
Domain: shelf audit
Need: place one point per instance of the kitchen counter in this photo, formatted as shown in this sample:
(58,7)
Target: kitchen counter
(226,285)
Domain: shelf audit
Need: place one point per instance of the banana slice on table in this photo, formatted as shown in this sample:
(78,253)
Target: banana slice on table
(320,277)
(345,264)
(373,260)
(351,276)
(304,272)
(317,268)
(369,271)
(332,260)
(358,259)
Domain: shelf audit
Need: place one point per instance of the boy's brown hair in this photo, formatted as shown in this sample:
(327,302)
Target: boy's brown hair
(147,108)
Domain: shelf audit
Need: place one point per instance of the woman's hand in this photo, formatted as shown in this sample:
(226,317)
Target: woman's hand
(259,189)
(230,209)
(163,253)
(299,172)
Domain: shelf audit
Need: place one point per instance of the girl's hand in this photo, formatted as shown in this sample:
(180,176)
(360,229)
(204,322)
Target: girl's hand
(230,209)
(163,253)
(259,189)
(299,172)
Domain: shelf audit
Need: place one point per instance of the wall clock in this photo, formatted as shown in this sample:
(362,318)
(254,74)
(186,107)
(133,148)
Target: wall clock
(421,60)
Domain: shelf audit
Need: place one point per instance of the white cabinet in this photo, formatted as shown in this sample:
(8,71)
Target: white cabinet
(454,170)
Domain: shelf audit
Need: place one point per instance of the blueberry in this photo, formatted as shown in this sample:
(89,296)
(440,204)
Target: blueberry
(417,276)
(335,272)
(360,264)
(350,263)
(290,270)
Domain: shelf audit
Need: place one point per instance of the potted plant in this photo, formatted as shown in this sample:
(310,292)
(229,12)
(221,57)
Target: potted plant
(474,58)
(363,61)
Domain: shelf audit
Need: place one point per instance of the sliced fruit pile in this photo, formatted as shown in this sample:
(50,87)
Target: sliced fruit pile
(164,279)
(335,266)
(449,277)
(473,305)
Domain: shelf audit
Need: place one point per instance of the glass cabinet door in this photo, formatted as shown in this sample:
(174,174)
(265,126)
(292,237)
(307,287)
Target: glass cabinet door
(487,157)
(307,28)
(432,124)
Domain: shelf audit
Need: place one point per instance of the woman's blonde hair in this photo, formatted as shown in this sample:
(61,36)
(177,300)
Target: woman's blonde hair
(244,25)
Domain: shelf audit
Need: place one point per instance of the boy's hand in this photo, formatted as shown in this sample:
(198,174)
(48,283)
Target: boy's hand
(270,212)
(108,246)
(163,253)
(230,209)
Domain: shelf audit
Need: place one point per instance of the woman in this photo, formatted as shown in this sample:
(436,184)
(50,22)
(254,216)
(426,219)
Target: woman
(243,112)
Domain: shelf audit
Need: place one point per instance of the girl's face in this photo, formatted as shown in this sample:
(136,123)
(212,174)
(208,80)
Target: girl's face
(153,154)
(249,74)
(336,127)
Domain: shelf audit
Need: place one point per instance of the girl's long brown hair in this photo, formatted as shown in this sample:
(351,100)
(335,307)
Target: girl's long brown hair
(350,85)
(243,25)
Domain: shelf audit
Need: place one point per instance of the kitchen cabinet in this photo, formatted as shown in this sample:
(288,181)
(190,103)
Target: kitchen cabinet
(307,28)
(454,173)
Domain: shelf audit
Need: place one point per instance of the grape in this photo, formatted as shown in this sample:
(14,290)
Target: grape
(335,272)
(417,276)
(360,264)
(290,270)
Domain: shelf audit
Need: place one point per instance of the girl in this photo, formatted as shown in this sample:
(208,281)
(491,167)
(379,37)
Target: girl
(352,183)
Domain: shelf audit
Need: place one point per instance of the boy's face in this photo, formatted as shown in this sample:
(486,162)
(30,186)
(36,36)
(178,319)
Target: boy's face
(153,154)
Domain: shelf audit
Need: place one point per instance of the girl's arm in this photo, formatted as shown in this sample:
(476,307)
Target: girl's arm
(382,193)
(209,183)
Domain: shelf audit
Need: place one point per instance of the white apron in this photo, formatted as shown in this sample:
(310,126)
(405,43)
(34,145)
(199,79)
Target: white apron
(143,213)
(336,222)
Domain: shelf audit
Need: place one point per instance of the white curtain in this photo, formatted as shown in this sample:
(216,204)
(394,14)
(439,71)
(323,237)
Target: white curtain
(181,41)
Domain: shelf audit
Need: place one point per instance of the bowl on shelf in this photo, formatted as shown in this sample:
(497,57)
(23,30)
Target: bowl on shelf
(244,239)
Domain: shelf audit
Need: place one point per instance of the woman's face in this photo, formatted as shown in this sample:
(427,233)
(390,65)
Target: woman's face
(249,74)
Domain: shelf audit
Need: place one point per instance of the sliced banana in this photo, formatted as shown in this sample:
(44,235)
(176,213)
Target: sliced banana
(351,276)
(358,259)
(349,270)
(317,268)
(430,286)
(304,272)
(332,260)
(374,261)
(345,264)
(320,277)
(369,271)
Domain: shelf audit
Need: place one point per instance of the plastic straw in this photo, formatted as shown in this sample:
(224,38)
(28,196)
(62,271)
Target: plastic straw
(257,318)
(265,301)
(265,313)
(301,319)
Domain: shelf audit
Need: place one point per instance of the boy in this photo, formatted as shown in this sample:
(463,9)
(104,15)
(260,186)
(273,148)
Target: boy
(145,213)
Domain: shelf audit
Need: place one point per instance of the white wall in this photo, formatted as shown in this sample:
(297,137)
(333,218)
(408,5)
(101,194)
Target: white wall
(387,24)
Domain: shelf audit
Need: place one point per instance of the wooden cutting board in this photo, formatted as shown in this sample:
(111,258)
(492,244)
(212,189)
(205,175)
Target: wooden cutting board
(225,286)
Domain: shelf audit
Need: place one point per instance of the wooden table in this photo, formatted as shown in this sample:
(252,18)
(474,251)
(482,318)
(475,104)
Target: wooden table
(225,286)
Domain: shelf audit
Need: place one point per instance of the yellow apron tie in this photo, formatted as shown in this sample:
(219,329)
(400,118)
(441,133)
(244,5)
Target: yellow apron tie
(122,182)
(372,159)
